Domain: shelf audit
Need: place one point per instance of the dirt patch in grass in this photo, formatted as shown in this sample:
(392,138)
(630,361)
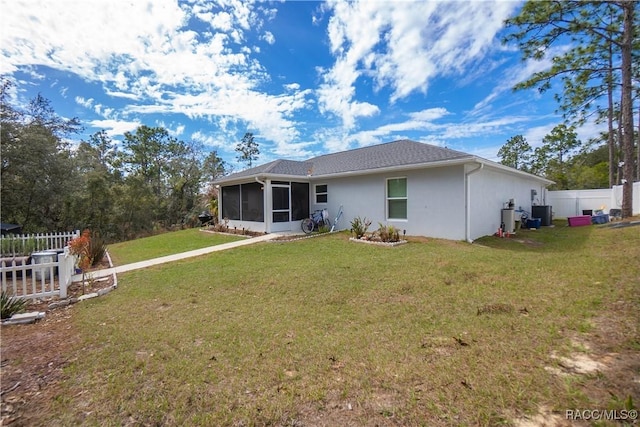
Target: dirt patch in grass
(34,356)
(33,359)
(604,362)
(613,347)
(528,242)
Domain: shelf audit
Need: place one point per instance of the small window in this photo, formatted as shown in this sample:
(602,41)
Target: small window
(321,193)
(397,198)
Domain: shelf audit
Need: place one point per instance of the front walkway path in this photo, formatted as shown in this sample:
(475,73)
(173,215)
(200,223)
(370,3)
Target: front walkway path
(175,257)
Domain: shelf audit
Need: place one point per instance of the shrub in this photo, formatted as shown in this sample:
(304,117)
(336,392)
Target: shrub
(97,248)
(359,226)
(15,246)
(81,247)
(388,233)
(10,305)
(7,246)
(222,227)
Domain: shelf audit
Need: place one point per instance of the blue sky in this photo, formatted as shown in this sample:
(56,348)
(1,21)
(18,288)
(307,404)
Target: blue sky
(307,78)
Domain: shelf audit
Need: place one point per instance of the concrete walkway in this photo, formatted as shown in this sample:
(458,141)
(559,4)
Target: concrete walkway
(175,257)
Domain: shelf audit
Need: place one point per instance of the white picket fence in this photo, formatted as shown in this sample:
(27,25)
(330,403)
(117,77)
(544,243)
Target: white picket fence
(24,244)
(26,277)
(46,279)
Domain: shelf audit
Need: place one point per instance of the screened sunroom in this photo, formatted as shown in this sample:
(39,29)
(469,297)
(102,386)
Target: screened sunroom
(265,206)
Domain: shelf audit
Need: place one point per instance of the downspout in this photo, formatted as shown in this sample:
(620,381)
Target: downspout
(267,224)
(467,202)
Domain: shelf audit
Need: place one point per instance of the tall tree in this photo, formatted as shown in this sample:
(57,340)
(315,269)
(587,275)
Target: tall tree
(163,176)
(94,206)
(626,107)
(539,161)
(597,32)
(185,177)
(214,167)
(515,153)
(589,168)
(561,141)
(247,149)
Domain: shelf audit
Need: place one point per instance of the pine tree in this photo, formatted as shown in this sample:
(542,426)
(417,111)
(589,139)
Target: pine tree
(599,63)
(248,149)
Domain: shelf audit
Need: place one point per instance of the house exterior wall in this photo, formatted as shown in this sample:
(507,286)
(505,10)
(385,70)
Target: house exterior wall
(490,191)
(454,202)
(435,201)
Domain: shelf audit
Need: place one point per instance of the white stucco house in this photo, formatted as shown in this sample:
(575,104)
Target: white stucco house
(422,189)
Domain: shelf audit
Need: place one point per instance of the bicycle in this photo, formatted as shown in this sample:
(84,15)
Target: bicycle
(317,219)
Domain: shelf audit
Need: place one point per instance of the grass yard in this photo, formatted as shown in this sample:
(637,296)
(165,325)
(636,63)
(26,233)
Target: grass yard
(165,244)
(330,332)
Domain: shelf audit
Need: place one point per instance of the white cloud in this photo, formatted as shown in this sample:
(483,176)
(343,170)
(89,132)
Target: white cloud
(292,87)
(221,21)
(268,37)
(86,103)
(115,127)
(210,140)
(403,46)
(143,51)
(429,114)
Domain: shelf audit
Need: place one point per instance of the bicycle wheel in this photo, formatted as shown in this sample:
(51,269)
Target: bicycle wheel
(307,225)
(327,223)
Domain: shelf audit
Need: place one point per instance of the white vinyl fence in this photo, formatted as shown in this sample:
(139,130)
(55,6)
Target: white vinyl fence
(37,266)
(566,203)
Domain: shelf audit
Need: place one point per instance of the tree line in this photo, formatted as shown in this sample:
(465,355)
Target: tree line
(147,182)
(562,158)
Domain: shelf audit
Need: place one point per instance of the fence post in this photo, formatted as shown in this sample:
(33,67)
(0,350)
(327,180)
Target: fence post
(66,263)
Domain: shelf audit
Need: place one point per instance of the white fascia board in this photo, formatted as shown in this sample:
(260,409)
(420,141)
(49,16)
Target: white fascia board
(262,177)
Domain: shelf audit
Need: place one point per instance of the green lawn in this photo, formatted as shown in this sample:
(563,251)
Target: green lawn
(330,332)
(165,244)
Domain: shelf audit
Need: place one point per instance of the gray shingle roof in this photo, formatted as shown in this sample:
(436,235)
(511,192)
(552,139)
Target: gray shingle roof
(276,167)
(391,154)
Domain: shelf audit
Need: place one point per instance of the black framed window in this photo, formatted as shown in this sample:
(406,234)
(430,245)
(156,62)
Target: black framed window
(321,193)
